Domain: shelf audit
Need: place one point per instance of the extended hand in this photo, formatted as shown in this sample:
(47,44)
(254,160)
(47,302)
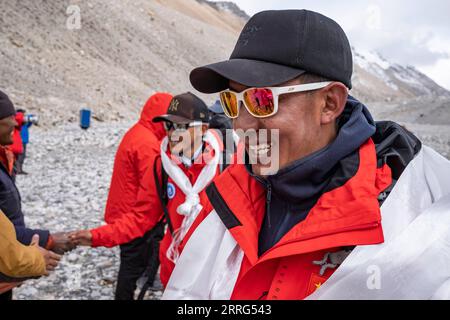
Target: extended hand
(62,243)
(81,237)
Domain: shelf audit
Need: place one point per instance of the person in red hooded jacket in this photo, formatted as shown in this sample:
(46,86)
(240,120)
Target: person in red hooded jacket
(189,156)
(130,200)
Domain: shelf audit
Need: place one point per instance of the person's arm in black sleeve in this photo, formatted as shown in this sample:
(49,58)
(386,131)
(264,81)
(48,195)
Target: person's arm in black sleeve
(25,234)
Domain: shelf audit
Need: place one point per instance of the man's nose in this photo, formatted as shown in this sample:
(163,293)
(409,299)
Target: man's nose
(172,134)
(245,120)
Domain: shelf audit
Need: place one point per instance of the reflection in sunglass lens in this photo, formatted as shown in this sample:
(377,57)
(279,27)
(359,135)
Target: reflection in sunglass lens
(259,101)
(175,126)
(178,126)
(229,104)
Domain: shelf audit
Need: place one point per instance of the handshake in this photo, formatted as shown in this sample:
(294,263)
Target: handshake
(59,243)
(81,238)
(63,242)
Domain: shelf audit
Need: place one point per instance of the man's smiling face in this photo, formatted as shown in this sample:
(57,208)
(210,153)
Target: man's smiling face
(305,122)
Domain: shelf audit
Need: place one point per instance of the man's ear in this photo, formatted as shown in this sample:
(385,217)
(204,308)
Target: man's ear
(335,96)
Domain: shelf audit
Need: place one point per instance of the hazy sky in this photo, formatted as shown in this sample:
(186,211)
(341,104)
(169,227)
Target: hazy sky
(408,32)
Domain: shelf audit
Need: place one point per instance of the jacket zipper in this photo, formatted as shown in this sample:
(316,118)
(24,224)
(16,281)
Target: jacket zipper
(268,201)
(268,186)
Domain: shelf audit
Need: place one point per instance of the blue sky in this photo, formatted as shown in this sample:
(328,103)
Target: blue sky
(413,33)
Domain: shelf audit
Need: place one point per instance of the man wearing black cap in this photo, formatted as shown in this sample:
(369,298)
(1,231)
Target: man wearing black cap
(187,117)
(282,233)
(190,160)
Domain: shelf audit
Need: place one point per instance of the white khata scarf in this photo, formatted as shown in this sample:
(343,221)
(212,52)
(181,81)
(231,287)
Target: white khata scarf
(191,207)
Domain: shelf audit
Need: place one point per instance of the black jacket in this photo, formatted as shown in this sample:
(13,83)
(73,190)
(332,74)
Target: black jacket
(10,204)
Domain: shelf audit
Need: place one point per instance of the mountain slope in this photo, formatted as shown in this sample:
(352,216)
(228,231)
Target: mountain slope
(376,79)
(124,51)
(128,49)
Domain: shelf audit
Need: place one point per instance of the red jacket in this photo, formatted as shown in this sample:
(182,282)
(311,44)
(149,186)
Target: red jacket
(177,197)
(17,146)
(346,216)
(133,207)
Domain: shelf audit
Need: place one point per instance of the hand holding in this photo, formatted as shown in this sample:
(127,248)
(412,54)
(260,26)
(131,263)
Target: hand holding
(81,237)
(62,243)
(51,259)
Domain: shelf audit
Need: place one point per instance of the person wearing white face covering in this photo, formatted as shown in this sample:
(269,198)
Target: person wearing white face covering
(190,160)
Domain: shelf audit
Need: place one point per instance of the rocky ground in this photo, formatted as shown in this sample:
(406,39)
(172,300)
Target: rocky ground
(434,136)
(66,189)
(122,52)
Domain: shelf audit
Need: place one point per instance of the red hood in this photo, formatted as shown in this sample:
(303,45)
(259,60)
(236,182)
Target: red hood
(155,106)
(19,119)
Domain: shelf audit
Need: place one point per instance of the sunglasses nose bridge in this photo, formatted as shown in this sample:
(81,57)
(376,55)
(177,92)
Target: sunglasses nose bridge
(245,114)
(240,104)
(243,103)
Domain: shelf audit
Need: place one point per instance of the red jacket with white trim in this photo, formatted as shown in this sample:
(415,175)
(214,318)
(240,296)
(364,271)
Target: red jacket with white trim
(175,198)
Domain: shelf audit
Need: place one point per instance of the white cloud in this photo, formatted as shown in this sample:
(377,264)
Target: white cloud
(436,73)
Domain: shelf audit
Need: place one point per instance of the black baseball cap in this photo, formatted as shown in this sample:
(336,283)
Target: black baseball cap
(185,108)
(277,46)
(6,106)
